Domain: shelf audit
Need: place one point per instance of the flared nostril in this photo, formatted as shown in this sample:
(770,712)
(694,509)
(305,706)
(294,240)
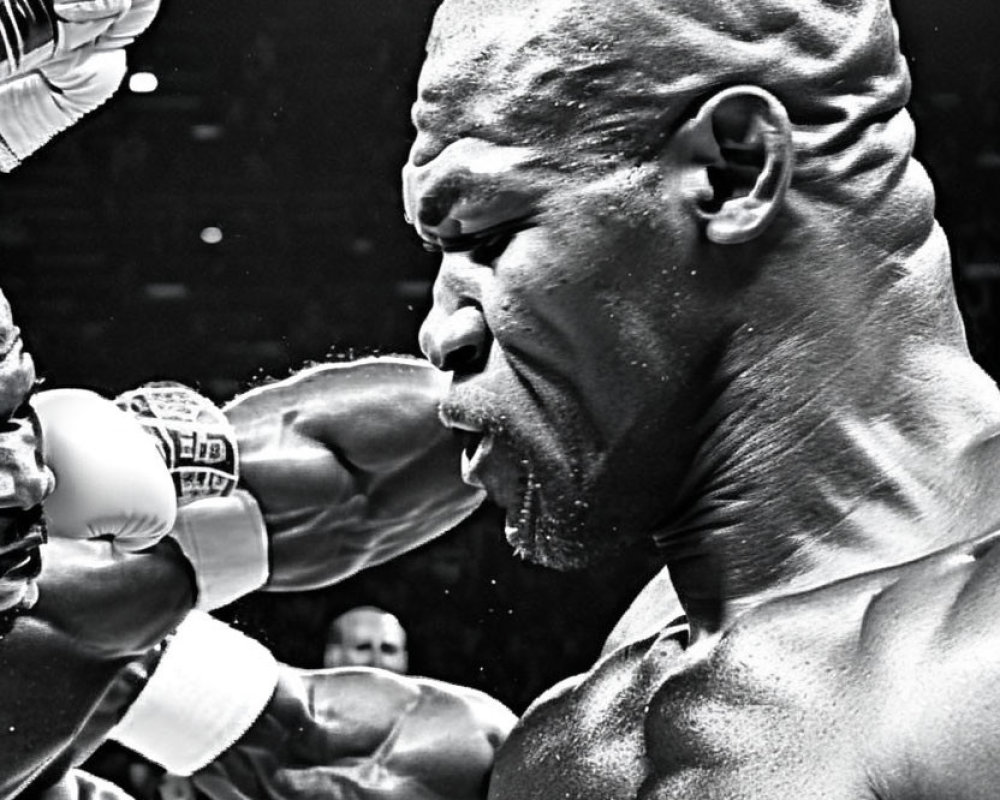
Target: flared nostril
(467,358)
(458,342)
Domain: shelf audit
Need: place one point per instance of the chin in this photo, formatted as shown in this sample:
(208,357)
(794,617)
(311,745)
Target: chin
(568,539)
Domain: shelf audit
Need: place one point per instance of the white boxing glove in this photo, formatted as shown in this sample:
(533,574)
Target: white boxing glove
(110,479)
(60,59)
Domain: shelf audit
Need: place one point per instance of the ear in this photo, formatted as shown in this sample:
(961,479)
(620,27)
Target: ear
(740,147)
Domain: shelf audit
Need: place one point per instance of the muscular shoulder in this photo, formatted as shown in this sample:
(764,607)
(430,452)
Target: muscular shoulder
(904,663)
(887,683)
(934,635)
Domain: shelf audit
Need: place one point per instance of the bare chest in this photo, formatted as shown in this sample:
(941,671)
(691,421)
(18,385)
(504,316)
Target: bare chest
(739,722)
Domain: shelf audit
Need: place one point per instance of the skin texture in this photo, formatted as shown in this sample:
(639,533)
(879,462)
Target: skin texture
(366,637)
(794,418)
(359,732)
(350,466)
(378,484)
(98,612)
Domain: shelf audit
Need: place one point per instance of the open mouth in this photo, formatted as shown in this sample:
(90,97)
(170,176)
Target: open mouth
(476,447)
(489,461)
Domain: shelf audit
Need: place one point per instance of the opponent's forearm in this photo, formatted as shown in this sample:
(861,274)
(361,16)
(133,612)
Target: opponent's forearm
(350,465)
(363,734)
(114,604)
(97,612)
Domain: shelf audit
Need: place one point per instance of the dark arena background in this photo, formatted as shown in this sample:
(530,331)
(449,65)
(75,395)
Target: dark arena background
(243,219)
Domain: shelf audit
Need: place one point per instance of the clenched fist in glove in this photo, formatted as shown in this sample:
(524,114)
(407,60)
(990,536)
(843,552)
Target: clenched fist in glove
(60,59)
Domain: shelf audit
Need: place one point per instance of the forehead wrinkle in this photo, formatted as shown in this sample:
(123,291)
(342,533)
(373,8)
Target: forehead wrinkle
(612,77)
(531,88)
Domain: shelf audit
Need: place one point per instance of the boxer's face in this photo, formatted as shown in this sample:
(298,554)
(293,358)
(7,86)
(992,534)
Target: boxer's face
(25,481)
(368,639)
(567,306)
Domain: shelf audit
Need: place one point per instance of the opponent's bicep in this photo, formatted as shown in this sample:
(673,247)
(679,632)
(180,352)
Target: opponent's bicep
(363,733)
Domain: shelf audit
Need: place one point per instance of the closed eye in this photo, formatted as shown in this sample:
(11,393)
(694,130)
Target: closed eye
(484,246)
(488,250)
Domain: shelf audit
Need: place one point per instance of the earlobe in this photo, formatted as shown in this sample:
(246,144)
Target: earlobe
(741,143)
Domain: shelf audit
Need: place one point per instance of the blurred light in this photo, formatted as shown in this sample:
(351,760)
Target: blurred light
(413,289)
(165,291)
(211,235)
(362,246)
(142,82)
(206,132)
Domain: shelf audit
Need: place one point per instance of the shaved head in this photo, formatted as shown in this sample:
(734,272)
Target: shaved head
(585,152)
(608,80)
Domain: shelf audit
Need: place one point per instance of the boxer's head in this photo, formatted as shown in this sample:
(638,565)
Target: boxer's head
(622,190)
(366,637)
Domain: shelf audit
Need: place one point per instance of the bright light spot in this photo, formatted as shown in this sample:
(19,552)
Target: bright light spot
(206,132)
(142,82)
(211,235)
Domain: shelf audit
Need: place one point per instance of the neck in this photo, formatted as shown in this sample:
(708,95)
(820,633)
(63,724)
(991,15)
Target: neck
(864,446)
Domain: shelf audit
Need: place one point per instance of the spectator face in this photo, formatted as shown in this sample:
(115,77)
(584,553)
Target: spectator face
(367,638)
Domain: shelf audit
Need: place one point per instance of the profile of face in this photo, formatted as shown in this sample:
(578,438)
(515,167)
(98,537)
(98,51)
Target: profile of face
(366,637)
(21,538)
(587,283)
(25,480)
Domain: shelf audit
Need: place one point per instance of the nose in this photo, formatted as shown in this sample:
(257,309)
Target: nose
(456,341)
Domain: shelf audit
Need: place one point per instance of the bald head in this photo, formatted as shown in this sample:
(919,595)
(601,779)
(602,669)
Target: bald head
(609,79)
(367,637)
(648,179)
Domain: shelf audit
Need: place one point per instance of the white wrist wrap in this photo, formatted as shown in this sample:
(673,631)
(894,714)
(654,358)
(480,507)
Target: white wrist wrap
(210,686)
(225,540)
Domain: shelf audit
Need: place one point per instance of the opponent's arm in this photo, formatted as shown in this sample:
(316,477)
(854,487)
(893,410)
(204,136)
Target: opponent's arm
(80,785)
(350,465)
(98,609)
(103,590)
(363,733)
